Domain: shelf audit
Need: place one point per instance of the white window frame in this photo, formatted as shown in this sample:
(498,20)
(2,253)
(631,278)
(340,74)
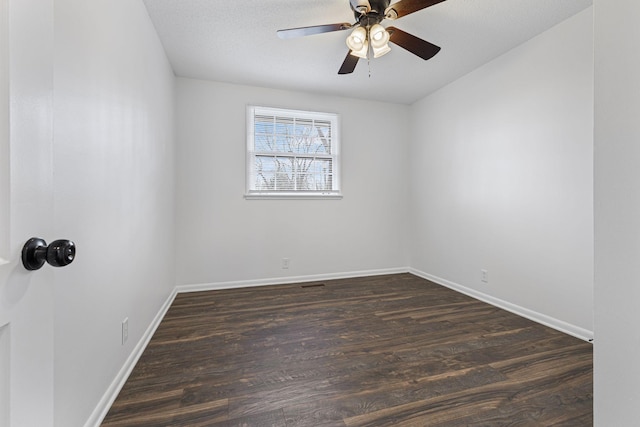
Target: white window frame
(251,192)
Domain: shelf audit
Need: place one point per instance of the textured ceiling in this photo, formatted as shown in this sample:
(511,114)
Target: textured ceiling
(236,42)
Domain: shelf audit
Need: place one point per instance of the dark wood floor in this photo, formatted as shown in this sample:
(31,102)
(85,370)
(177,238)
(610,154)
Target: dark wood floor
(379,351)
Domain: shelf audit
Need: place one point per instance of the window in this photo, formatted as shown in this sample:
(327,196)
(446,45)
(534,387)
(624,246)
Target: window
(292,153)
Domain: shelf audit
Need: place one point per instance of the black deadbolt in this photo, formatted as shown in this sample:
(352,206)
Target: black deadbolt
(36,252)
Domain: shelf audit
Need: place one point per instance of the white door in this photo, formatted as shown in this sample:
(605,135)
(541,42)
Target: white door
(26,206)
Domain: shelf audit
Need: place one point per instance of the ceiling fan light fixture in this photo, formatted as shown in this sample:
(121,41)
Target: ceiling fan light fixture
(357,42)
(361,6)
(379,40)
(378,52)
(362,52)
(391,14)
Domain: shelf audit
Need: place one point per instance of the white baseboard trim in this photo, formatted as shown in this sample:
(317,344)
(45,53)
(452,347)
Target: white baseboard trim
(543,319)
(116,385)
(286,280)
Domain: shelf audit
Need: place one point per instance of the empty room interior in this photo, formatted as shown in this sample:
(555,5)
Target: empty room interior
(441,231)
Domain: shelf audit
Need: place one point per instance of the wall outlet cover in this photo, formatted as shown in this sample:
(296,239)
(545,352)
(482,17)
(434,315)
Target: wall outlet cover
(125,330)
(484,276)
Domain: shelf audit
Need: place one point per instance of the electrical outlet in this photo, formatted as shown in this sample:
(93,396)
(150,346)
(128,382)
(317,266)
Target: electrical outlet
(484,276)
(285,263)
(125,330)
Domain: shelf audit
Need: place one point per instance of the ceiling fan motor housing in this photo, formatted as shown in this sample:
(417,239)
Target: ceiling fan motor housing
(370,9)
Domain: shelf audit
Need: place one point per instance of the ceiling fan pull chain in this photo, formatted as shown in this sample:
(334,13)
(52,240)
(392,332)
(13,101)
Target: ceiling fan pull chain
(369,54)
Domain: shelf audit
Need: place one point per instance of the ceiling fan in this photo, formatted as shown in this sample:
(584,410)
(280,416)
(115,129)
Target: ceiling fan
(368,33)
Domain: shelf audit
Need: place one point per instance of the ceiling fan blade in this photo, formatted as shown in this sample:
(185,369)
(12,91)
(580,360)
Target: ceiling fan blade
(349,64)
(316,29)
(405,7)
(413,44)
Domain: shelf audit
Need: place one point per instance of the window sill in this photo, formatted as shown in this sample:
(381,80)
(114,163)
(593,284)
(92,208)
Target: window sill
(285,196)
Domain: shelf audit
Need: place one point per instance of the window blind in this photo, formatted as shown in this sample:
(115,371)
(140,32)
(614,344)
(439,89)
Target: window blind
(292,152)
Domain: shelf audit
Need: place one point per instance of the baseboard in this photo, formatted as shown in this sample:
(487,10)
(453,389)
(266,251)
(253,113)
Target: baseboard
(286,280)
(543,319)
(116,385)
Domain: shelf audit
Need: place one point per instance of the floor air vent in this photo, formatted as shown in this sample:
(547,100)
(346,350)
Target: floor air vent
(315,285)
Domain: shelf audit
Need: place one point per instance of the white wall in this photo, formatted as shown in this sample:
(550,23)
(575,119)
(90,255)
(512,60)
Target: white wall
(617,213)
(113,178)
(502,177)
(222,237)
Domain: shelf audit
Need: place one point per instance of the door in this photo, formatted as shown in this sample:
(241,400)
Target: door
(26,203)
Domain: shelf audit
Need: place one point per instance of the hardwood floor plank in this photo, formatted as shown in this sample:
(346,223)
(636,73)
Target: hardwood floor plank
(201,414)
(382,396)
(384,350)
(265,419)
(125,411)
(502,402)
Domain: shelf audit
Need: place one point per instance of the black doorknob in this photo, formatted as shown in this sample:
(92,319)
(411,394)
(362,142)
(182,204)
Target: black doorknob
(58,254)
